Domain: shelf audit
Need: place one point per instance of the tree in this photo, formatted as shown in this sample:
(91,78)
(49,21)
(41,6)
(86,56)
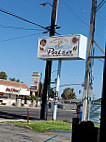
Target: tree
(13,79)
(51,93)
(33,98)
(68,93)
(3,75)
(40,89)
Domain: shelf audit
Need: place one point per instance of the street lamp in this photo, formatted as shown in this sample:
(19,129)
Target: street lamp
(49,27)
(44,4)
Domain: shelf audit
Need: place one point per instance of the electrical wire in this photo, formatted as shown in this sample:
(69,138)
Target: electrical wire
(19,28)
(19,37)
(23,19)
(72,11)
(100,5)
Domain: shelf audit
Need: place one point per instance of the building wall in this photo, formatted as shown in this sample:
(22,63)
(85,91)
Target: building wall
(13,99)
(10,93)
(9,99)
(21,91)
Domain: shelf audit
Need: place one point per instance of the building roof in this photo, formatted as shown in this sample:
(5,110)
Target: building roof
(14,84)
(36,73)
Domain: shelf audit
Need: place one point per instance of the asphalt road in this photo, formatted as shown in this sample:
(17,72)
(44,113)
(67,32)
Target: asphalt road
(15,113)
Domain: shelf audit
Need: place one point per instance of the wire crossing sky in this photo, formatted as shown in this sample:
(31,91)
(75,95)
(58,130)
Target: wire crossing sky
(19,39)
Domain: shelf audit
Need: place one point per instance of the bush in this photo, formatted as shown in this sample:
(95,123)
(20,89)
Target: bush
(3,103)
(14,104)
(22,104)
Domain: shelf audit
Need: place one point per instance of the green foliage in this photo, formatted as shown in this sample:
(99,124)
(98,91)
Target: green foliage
(40,88)
(3,75)
(68,93)
(32,97)
(51,93)
(13,79)
(98,100)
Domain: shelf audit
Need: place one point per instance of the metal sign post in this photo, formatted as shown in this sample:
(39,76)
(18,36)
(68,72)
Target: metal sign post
(57,90)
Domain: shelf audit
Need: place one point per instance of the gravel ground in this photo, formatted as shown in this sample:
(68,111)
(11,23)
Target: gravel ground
(11,133)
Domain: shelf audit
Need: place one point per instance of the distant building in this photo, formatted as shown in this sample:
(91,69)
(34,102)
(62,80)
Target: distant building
(10,91)
(35,82)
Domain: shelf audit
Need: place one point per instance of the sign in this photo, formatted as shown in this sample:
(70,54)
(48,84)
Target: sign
(52,82)
(33,87)
(12,90)
(1,94)
(62,47)
(35,81)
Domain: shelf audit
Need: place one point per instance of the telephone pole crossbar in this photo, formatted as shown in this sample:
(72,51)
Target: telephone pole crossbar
(96,57)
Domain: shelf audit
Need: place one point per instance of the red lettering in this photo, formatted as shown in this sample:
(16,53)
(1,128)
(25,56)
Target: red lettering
(15,90)
(11,90)
(8,89)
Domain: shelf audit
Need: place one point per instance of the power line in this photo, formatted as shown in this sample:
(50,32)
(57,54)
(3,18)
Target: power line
(23,19)
(72,11)
(19,37)
(100,5)
(19,28)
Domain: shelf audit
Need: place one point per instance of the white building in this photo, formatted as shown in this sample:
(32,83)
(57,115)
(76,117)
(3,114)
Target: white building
(11,91)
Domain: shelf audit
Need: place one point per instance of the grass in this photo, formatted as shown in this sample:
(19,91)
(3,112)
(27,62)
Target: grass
(97,125)
(43,126)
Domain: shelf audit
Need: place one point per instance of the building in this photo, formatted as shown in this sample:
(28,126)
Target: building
(11,92)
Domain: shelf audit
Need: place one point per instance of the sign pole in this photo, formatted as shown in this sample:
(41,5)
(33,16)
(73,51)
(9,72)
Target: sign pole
(43,114)
(57,90)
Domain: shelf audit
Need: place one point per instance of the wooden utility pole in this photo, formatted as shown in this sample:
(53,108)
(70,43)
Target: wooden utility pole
(46,88)
(89,60)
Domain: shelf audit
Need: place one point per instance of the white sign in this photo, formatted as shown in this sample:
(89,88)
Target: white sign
(62,47)
(35,82)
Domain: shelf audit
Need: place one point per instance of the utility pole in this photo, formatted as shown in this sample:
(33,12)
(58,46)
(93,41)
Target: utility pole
(44,108)
(89,60)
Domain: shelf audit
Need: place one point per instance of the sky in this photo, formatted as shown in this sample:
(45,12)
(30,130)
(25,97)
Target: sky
(19,40)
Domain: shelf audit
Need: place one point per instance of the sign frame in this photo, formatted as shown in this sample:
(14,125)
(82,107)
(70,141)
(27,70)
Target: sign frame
(69,47)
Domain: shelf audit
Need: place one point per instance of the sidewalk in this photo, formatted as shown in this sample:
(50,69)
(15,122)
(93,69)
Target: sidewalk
(12,133)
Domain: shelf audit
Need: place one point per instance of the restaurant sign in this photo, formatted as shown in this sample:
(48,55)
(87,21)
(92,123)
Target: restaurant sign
(12,90)
(71,47)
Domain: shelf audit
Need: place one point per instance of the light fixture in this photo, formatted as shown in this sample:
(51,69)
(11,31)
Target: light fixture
(44,4)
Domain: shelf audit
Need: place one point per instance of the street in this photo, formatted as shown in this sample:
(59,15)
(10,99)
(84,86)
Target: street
(15,113)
